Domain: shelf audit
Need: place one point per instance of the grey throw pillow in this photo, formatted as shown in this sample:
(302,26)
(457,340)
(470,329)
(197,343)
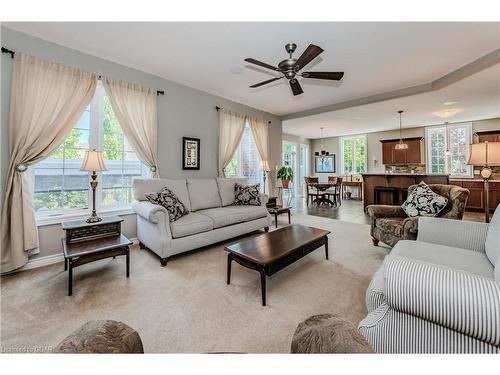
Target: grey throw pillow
(169,200)
(247,195)
(422,201)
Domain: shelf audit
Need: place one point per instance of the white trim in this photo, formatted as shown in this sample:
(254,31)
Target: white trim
(341,148)
(49,260)
(58,219)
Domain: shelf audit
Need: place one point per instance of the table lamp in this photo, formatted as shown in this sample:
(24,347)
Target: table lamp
(485,154)
(264,165)
(93,162)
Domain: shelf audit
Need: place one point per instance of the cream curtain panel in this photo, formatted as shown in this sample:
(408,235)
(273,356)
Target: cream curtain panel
(231,128)
(136,108)
(260,131)
(46,101)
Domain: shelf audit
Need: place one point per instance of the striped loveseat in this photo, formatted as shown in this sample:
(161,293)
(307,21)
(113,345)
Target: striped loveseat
(439,294)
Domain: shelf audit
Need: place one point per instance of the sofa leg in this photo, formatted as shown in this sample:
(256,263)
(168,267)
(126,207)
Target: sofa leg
(141,245)
(266,229)
(163,261)
(375,241)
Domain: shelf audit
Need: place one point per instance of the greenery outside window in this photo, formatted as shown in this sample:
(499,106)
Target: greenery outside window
(60,188)
(353,154)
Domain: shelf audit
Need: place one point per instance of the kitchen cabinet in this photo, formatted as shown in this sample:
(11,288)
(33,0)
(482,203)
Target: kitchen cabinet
(475,202)
(489,136)
(412,155)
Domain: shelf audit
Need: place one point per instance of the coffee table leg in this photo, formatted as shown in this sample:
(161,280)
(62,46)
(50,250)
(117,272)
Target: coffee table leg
(229,260)
(276,220)
(289,220)
(65,264)
(263,286)
(70,279)
(326,247)
(128,262)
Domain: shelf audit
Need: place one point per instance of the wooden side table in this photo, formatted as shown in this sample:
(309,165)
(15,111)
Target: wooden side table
(87,242)
(356,184)
(278,210)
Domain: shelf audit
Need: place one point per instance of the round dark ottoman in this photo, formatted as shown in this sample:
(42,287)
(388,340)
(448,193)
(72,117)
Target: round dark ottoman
(328,333)
(102,336)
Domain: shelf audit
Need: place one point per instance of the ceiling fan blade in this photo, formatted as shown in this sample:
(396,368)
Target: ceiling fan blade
(296,88)
(309,55)
(335,76)
(265,82)
(262,64)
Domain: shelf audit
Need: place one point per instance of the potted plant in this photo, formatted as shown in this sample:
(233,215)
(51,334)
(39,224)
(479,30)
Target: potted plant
(285,174)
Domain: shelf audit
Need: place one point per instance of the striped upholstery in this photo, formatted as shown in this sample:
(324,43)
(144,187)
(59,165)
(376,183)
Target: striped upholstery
(426,299)
(463,234)
(391,331)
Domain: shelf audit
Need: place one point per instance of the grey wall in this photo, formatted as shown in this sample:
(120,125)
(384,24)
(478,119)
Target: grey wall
(374,148)
(183,111)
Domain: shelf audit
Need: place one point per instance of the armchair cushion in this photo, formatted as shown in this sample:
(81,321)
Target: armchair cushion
(457,300)
(422,201)
(391,225)
(380,210)
(492,244)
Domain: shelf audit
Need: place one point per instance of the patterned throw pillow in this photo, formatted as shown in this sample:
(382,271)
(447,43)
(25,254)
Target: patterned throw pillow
(169,200)
(246,195)
(424,202)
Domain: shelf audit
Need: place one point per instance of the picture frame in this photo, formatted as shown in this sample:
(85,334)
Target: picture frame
(324,164)
(190,153)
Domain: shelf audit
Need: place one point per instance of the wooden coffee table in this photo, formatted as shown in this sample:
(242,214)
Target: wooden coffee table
(273,251)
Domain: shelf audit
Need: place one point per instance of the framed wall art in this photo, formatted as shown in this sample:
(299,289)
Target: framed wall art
(190,153)
(324,164)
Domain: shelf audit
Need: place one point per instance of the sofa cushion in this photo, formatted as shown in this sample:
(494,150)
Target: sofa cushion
(246,195)
(190,224)
(224,216)
(492,244)
(226,189)
(203,193)
(453,257)
(422,201)
(142,186)
(170,201)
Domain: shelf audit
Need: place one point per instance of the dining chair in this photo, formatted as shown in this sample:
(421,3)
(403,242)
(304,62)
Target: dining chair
(338,191)
(312,192)
(331,192)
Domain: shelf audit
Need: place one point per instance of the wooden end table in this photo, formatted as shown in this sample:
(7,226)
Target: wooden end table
(87,242)
(278,210)
(273,251)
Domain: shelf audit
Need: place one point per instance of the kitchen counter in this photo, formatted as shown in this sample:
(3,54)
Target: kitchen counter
(398,184)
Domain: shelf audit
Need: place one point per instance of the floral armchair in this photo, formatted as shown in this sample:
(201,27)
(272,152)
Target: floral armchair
(390,224)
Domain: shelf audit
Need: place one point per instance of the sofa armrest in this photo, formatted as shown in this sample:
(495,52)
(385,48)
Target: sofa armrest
(149,211)
(468,235)
(460,301)
(264,198)
(380,210)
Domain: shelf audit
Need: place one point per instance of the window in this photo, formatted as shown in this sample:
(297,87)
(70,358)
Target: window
(61,188)
(246,160)
(448,149)
(353,154)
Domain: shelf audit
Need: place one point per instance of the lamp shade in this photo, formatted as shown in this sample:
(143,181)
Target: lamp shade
(484,154)
(264,165)
(92,161)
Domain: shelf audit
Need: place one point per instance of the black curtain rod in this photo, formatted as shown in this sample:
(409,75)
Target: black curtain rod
(217,108)
(5,50)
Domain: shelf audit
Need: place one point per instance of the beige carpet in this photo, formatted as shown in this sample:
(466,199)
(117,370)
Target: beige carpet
(187,306)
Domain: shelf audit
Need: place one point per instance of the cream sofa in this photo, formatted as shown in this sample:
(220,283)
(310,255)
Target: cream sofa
(212,216)
(440,293)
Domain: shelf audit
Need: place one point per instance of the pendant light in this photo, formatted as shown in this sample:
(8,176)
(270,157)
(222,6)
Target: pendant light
(447,152)
(400,146)
(322,153)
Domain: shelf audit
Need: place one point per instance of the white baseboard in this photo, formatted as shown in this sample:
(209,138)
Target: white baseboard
(49,259)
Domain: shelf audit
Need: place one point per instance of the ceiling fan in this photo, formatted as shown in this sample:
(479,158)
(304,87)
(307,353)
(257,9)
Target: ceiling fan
(290,68)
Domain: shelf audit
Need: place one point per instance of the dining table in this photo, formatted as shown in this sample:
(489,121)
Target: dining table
(323,187)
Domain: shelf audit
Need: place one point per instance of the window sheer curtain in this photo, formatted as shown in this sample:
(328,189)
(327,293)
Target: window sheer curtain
(47,99)
(231,128)
(260,131)
(136,108)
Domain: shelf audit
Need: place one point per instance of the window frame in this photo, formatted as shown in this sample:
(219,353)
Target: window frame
(354,164)
(447,158)
(96,135)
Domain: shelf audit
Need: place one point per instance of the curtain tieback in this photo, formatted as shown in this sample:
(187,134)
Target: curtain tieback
(153,168)
(21,167)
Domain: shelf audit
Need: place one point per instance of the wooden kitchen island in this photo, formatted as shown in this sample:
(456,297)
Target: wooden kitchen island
(392,188)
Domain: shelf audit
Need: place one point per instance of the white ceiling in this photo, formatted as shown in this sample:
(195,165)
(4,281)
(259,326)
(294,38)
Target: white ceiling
(376,57)
(477,97)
